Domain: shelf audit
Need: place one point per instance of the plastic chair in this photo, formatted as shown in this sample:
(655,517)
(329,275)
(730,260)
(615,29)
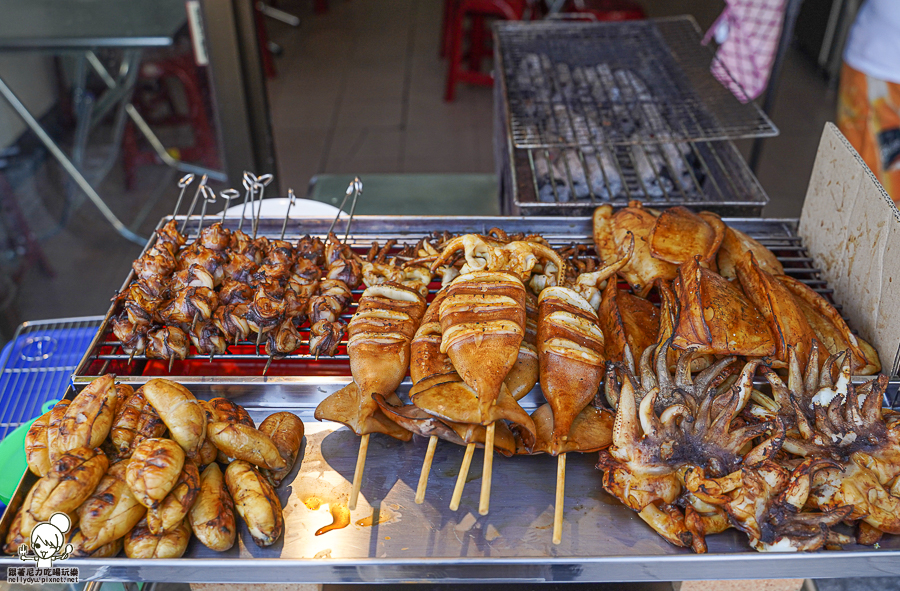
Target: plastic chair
(607,10)
(477,10)
(157,105)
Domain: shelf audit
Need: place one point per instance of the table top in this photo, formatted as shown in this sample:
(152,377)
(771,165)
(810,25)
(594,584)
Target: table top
(85,24)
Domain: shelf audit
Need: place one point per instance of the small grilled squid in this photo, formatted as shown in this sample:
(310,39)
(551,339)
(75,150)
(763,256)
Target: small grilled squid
(167,342)
(379,339)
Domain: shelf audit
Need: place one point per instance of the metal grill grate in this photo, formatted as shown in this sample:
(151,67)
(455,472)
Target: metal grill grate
(36,366)
(708,175)
(106,354)
(577,84)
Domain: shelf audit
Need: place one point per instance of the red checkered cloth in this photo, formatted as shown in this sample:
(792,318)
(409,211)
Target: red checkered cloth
(744,60)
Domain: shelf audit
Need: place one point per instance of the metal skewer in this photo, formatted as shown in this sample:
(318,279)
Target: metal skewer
(228,195)
(202,184)
(183,185)
(261,183)
(341,207)
(209,196)
(249,181)
(357,191)
(291,199)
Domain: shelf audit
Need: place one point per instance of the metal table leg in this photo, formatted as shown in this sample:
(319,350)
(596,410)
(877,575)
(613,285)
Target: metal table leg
(64,161)
(147,132)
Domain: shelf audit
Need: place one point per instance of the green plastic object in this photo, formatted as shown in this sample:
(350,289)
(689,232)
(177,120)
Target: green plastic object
(12,456)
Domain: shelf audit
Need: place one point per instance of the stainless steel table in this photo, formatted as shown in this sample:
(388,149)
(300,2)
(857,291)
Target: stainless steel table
(82,26)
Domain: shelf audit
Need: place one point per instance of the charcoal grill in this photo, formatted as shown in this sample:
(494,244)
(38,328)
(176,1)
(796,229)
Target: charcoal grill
(391,538)
(242,360)
(589,113)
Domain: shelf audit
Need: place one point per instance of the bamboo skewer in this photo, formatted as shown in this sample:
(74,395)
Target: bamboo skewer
(461,478)
(358,473)
(484,504)
(426,469)
(560,497)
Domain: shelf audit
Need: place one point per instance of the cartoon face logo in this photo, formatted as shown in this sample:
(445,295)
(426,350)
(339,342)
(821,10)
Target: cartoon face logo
(48,541)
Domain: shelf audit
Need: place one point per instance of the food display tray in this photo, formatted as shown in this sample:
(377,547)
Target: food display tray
(391,539)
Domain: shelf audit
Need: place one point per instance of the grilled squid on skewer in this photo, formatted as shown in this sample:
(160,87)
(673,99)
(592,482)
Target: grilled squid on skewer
(311,249)
(240,268)
(191,305)
(207,258)
(167,342)
(572,364)
(133,338)
(215,237)
(231,320)
(170,238)
(267,308)
(304,278)
(158,261)
(193,276)
(379,340)
(235,292)
(324,338)
(208,339)
(483,320)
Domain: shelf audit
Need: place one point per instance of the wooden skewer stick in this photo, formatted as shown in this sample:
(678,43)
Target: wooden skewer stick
(426,469)
(171,361)
(484,504)
(131,357)
(461,479)
(560,497)
(268,363)
(358,473)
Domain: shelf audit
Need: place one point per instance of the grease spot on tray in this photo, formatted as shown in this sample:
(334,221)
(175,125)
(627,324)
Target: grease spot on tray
(341,518)
(323,553)
(380,515)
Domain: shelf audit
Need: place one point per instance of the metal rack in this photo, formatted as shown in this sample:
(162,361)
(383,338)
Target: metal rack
(37,364)
(573,181)
(590,113)
(106,355)
(390,538)
(574,84)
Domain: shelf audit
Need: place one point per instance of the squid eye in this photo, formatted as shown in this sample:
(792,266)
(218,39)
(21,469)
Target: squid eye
(37,544)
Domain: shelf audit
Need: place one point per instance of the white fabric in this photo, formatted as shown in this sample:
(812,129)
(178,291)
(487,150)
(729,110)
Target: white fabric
(276,207)
(873,46)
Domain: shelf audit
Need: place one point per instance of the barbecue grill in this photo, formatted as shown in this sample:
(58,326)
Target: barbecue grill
(589,113)
(390,538)
(107,355)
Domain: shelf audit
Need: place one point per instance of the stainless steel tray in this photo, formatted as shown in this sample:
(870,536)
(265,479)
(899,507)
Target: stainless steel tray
(105,353)
(390,539)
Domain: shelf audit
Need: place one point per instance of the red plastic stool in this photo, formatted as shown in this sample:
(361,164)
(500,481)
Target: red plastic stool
(477,10)
(156,104)
(607,10)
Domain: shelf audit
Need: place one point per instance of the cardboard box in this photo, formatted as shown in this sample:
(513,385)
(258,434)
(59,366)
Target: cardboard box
(851,228)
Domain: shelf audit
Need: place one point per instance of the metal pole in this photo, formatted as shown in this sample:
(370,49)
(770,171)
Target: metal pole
(145,130)
(792,9)
(64,161)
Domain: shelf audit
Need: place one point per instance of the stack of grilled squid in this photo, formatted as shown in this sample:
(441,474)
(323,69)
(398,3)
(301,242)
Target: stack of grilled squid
(140,471)
(665,390)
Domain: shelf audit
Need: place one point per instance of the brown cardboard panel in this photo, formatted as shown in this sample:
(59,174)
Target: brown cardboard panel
(852,230)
